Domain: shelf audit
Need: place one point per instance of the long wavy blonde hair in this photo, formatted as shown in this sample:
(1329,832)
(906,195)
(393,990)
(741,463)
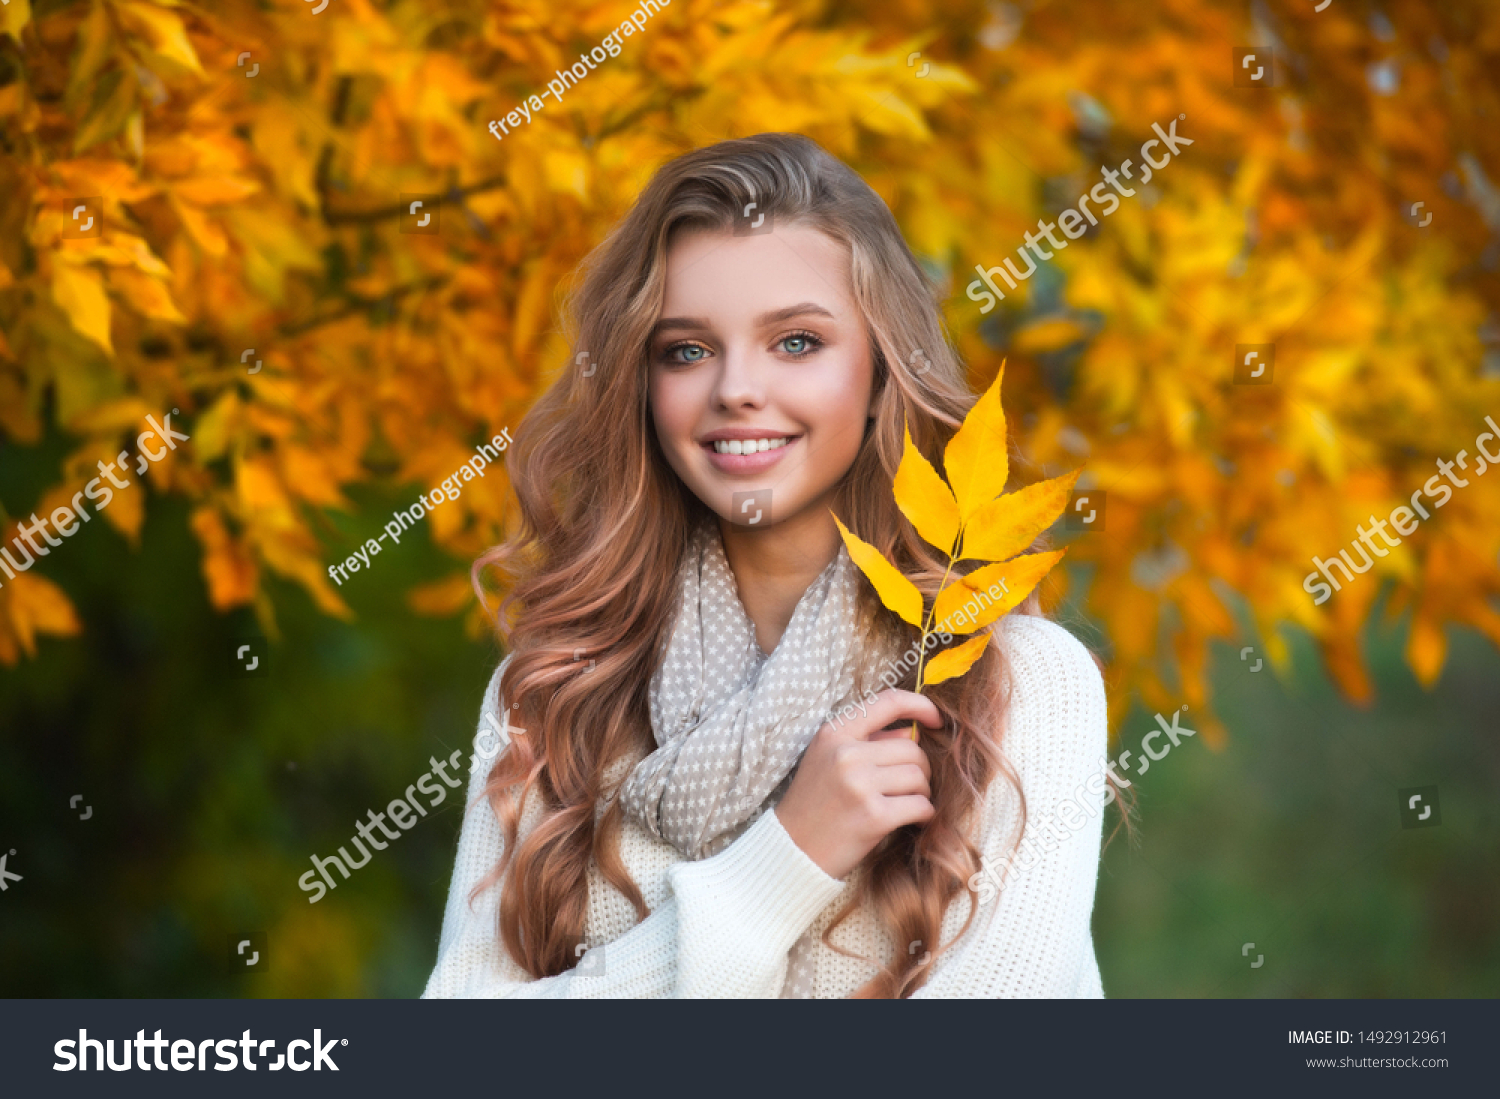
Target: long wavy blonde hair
(604,521)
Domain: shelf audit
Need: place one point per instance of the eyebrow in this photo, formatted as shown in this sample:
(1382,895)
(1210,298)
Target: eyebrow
(775,316)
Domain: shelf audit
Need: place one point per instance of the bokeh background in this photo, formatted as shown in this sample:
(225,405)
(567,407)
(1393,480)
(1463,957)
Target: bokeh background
(251,165)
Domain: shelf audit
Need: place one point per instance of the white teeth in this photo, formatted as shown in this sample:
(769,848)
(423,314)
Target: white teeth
(748,446)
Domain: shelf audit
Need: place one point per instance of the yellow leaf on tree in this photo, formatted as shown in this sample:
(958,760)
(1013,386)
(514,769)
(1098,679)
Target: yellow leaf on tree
(442,597)
(164,31)
(149,296)
(1008,524)
(260,490)
(954,662)
(205,233)
(111,417)
(1048,334)
(110,116)
(14,16)
(79,292)
(210,191)
(1426,649)
(227,565)
(127,509)
(895,591)
(970,601)
(215,427)
(37,605)
(925,499)
(976,460)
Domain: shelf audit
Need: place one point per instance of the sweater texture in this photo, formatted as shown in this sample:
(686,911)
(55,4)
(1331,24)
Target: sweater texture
(724,926)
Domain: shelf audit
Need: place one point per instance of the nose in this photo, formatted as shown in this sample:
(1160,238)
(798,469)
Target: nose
(741,382)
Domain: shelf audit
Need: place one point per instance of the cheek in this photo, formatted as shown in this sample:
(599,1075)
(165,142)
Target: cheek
(673,409)
(839,401)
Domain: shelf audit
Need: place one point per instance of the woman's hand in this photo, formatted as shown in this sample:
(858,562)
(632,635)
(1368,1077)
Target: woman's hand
(860,781)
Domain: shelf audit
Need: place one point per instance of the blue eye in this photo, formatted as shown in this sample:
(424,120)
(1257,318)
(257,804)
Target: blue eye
(699,353)
(807,341)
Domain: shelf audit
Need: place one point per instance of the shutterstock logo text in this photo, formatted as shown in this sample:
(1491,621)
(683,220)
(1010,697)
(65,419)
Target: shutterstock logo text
(188,1056)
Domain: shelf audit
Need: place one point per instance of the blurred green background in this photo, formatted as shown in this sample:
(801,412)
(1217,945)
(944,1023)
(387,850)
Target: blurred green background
(210,791)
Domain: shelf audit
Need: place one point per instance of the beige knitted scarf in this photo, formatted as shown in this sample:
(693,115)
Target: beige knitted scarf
(731,723)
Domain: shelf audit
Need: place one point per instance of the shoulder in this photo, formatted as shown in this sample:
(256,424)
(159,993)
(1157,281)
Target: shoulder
(1045,654)
(1055,704)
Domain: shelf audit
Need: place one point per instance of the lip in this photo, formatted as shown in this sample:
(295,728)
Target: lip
(745,463)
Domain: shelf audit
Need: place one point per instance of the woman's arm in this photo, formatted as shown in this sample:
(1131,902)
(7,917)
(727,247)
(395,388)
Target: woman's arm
(724,930)
(1033,938)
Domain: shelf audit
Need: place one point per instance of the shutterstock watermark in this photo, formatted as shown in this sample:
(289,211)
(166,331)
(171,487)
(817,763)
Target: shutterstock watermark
(404,812)
(1403,518)
(609,46)
(1071,220)
(65,520)
(400,810)
(1068,815)
(402,520)
(187,1055)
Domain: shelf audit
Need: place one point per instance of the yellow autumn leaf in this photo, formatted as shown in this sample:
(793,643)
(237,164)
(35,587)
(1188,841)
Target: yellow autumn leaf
(33,603)
(213,430)
(1048,334)
(1008,524)
(149,296)
(975,459)
(228,567)
(211,191)
(95,47)
(110,116)
(13,17)
(163,30)
(925,499)
(37,605)
(1014,579)
(532,305)
(205,233)
(259,487)
(127,509)
(1426,649)
(79,292)
(895,591)
(307,475)
(954,662)
(442,597)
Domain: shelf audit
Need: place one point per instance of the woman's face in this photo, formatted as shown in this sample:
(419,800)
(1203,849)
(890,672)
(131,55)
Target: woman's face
(762,349)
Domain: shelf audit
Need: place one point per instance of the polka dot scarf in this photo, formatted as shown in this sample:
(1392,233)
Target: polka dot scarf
(730,723)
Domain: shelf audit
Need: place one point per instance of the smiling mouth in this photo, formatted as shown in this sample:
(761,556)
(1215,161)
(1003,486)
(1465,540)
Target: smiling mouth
(749,446)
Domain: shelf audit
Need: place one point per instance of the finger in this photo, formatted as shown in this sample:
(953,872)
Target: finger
(903,778)
(908,809)
(892,706)
(897,751)
(901,731)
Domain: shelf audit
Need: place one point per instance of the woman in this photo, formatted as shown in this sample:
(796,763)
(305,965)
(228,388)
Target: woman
(674,813)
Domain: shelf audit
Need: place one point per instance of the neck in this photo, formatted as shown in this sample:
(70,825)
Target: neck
(774,567)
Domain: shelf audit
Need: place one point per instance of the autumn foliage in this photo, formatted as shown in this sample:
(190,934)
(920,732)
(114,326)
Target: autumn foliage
(969,517)
(252,164)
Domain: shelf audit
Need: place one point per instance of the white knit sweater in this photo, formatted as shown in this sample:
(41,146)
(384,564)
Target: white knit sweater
(723,926)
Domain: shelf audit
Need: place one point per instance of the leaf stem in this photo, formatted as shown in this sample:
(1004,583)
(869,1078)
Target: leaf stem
(927,629)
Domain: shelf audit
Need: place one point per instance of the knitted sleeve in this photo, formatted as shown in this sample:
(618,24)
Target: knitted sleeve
(1031,936)
(723,931)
